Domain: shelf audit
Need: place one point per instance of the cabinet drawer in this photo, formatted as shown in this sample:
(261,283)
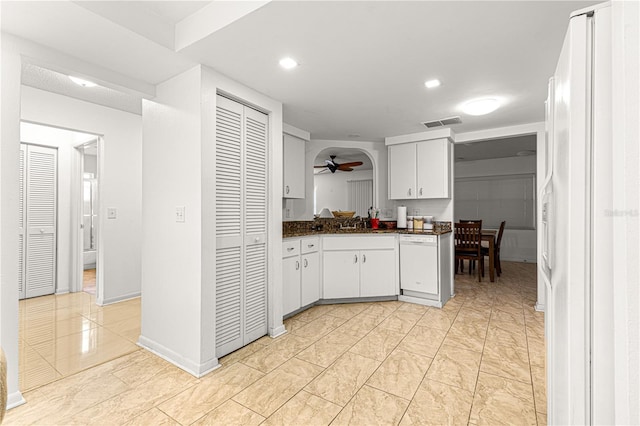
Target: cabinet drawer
(310,245)
(360,242)
(291,248)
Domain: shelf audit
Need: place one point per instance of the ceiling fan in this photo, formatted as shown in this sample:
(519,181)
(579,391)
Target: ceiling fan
(333,166)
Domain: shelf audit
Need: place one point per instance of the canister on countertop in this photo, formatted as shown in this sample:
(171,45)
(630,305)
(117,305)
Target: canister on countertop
(428,223)
(418,222)
(410,223)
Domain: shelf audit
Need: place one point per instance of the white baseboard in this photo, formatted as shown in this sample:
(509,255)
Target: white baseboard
(15,399)
(120,298)
(420,301)
(539,307)
(60,292)
(195,369)
(278,331)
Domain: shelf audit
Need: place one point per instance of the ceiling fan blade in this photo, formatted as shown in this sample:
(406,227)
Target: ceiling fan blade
(318,167)
(351,164)
(345,169)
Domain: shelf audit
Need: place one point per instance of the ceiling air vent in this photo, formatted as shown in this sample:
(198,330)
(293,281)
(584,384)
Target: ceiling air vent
(442,122)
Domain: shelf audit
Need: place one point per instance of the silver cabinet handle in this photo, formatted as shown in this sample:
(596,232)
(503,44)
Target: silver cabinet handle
(310,245)
(420,193)
(409,191)
(306,263)
(355,258)
(289,248)
(364,258)
(297,265)
(287,189)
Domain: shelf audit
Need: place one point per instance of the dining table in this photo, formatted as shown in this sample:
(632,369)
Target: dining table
(489,235)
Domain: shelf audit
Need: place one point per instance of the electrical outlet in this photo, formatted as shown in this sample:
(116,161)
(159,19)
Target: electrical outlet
(180,213)
(112,213)
(288,213)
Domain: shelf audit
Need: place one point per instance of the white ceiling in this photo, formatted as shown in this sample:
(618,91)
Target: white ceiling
(363,63)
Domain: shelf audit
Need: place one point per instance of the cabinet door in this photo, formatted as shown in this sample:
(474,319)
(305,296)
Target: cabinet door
(378,273)
(402,171)
(310,287)
(340,274)
(290,284)
(433,166)
(293,167)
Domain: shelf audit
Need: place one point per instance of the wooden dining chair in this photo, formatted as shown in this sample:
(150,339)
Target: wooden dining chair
(496,249)
(472,264)
(468,237)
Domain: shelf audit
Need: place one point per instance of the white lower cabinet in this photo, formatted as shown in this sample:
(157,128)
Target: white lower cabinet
(300,273)
(366,268)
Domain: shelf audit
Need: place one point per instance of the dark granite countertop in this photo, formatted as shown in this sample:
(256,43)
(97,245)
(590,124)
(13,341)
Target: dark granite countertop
(361,231)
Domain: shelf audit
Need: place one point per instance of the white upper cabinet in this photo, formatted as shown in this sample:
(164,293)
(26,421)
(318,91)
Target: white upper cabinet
(420,170)
(293,167)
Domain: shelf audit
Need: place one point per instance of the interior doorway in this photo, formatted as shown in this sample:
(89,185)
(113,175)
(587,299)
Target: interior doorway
(90,211)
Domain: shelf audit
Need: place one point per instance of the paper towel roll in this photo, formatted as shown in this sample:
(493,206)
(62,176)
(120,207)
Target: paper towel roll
(402,217)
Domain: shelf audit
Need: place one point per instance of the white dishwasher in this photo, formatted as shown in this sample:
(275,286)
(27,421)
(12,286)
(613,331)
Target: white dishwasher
(419,263)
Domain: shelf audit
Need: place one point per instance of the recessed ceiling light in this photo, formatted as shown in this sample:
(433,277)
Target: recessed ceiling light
(481,106)
(432,83)
(82,82)
(288,63)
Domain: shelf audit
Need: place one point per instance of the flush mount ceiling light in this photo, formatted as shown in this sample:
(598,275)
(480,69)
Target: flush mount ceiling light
(288,63)
(481,106)
(82,82)
(432,83)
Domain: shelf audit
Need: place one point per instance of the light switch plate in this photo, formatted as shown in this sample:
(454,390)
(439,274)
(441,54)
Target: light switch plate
(180,214)
(112,213)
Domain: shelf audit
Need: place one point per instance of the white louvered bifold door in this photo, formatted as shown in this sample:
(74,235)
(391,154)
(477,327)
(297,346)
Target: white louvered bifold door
(241,206)
(360,196)
(40,206)
(22,219)
(229,279)
(255,219)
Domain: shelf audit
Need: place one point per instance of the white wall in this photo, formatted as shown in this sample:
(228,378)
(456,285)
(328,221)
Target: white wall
(517,244)
(64,141)
(120,184)
(178,262)
(332,189)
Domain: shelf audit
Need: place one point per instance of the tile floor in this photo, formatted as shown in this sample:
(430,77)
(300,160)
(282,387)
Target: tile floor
(479,360)
(89,281)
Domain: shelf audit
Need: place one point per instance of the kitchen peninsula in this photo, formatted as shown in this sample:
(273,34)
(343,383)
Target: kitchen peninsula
(343,261)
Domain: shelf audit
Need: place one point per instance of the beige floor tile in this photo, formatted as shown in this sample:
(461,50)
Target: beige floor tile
(115,313)
(506,361)
(37,374)
(304,409)
(466,336)
(378,344)
(326,350)
(537,351)
(542,419)
(318,328)
(152,417)
(539,377)
(231,414)
(400,322)
(437,319)
(500,316)
(270,392)
(134,402)
(372,407)
(505,336)
(361,324)
(502,401)
(420,309)
(139,372)
(240,354)
(348,310)
(423,341)
(212,391)
(343,379)
(400,374)
(314,313)
(48,330)
(292,324)
(128,328)
(382,309)
(456,367)
(270,357)
(438,404)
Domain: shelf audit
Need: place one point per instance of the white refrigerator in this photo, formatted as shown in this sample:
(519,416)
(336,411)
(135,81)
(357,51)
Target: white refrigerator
(576,261)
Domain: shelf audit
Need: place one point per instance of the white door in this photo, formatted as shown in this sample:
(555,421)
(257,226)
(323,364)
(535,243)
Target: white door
(402,171)
(433,180)
(241,218)
(310,287)
(22,219)
(293,167)
(290,284)
(39,204)
(377,273)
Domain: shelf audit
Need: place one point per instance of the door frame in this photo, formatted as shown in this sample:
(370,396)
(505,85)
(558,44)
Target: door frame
(77,261)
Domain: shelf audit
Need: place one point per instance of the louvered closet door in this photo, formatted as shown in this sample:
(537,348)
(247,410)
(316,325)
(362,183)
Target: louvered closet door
(241,252)
(41,200)
(255,219)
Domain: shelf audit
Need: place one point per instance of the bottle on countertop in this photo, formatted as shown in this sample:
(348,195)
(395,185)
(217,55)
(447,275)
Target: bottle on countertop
(410,223)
